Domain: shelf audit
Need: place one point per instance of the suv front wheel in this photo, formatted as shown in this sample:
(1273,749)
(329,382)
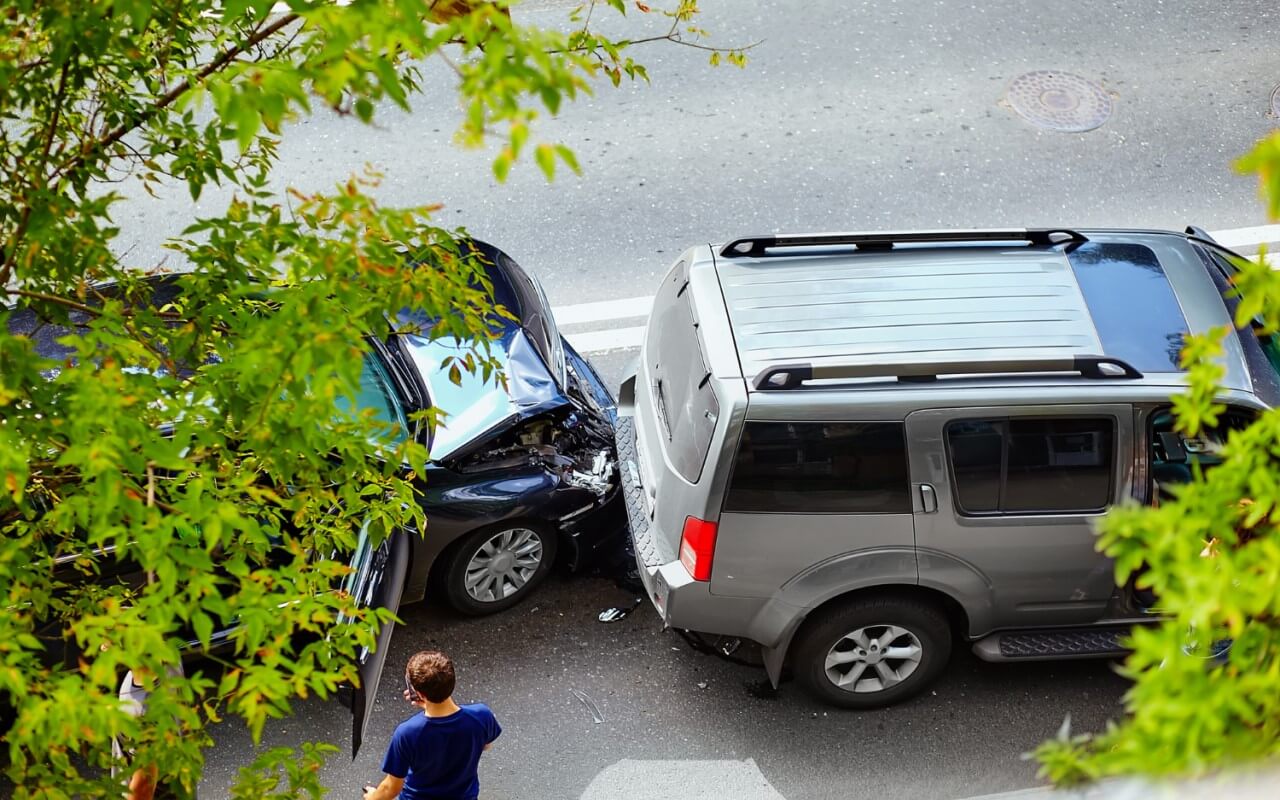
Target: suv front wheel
(872,652)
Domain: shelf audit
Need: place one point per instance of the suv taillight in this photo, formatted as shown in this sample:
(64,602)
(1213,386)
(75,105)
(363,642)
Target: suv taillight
(697,546)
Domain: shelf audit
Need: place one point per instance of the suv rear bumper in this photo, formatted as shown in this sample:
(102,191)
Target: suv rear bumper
(681,601)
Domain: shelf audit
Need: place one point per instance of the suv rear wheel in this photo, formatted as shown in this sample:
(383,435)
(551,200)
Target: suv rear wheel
(873,652)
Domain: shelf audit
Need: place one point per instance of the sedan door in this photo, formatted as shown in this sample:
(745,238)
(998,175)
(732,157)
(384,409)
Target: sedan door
(377,582)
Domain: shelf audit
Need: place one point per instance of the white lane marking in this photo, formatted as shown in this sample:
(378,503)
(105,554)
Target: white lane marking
(599,341)
(603,311)
(1247,237)
(687,780)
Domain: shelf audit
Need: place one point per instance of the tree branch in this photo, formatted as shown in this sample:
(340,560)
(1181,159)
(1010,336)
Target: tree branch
(167,99)
(53,298)
(20,232)
(673,37)
(97,312)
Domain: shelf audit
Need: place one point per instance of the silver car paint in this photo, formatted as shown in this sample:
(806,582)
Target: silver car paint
(770,571)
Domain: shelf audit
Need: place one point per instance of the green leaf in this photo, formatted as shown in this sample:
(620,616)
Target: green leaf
(545,155)
(551,98)
(202,624)
(502,164)
(247,121)
(567,156)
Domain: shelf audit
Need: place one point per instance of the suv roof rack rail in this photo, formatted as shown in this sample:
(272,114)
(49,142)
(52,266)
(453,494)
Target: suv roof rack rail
(755,246)
(792,376)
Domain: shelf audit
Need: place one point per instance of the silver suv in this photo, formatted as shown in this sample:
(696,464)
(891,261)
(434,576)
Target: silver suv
(856,449)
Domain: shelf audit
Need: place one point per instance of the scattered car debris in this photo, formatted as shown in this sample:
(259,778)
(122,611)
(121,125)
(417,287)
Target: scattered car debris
(724,648)
(585,699)
(617,613)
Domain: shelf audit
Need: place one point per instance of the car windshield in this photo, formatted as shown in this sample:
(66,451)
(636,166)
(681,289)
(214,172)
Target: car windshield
(472,405)
(377,393)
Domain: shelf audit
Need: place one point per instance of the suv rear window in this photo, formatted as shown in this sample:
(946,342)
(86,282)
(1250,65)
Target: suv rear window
(1133,307)
(1032,465)
(685,403)
(821,467)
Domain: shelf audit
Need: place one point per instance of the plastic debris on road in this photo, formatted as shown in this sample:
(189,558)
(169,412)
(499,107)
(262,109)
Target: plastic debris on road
(618,612)
(590,704)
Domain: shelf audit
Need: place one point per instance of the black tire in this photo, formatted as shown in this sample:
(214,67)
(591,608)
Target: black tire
(874,616)
(468,548)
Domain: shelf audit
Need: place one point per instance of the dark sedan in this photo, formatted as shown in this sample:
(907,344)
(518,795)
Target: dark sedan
(522,472)
(522,475)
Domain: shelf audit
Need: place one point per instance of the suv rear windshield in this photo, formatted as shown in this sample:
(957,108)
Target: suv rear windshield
(1028,465)
(821,468)
(686,406)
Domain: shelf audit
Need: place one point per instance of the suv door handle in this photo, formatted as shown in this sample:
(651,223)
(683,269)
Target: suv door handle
(928,498)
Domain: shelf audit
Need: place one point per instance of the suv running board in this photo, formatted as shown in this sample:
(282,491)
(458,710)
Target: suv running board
(1052,645)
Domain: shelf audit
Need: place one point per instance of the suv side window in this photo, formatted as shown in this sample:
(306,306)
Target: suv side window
(1032,465)
(821,467)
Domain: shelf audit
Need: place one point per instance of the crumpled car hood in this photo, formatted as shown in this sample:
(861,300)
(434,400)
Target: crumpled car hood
(474,408)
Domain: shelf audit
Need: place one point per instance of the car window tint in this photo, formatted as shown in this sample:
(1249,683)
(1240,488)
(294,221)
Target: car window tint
(376,393)
(977,452)
(821,467)
(1058,465)
(1117,278)
(1032,465)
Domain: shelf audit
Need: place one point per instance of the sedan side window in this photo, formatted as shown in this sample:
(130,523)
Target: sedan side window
(1032,465)
(377,393)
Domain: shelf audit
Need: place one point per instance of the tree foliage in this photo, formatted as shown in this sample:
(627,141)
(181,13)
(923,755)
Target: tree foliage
(1212,557)
(200,441)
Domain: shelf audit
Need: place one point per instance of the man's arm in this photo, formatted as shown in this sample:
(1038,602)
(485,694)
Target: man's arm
(387,790)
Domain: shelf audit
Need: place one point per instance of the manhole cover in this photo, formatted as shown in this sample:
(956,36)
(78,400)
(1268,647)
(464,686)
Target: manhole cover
(1275,103)
(1059,101)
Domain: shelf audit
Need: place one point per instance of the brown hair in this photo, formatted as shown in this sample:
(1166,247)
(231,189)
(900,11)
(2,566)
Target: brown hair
(431,675)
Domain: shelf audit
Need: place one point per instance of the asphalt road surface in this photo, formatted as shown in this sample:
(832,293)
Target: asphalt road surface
(676,723)
(850,116)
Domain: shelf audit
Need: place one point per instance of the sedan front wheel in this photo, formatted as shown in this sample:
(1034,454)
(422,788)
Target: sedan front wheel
(494,568)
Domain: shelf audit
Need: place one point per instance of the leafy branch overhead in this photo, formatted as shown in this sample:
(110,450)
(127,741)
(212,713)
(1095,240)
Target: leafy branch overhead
(182,457)
(1211,556)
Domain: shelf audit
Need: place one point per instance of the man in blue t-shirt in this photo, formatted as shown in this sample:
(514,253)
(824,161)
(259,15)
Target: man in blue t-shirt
(434,755)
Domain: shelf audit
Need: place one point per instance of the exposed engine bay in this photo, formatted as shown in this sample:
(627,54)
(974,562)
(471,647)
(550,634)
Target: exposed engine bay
(577,446)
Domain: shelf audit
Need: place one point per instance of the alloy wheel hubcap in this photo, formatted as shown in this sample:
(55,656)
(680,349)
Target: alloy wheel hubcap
(503,565)
(873,658)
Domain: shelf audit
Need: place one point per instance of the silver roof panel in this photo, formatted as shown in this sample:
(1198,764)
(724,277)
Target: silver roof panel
(949,303)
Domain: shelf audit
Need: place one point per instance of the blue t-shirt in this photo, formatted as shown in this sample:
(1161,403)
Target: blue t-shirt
(438,756)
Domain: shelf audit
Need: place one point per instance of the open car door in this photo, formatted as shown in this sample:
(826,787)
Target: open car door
(377,582)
